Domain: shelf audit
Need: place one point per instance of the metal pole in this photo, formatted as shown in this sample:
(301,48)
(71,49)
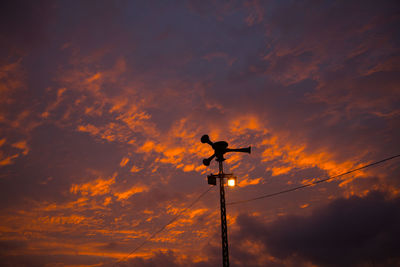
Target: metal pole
(224,227)
(221,148)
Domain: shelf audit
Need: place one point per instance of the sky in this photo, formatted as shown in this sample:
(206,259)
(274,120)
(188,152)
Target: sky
(103,104)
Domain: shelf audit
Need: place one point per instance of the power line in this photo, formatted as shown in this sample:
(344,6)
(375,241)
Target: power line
(312,183)
(165,225)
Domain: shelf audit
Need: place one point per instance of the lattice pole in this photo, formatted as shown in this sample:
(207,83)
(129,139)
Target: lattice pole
(224,227)
(221,148)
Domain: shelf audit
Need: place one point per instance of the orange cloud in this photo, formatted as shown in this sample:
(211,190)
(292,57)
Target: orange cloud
(94,188)
(242,124)
(147,146)
(76,205)
(124,161)
(93,78)
(22,146)
(7,160)
(131,191)
(289,156)
(55,104)
(280,170)
(189,168)
(89,129)
(72,219)
(135,169)
(107,201)
(247,182)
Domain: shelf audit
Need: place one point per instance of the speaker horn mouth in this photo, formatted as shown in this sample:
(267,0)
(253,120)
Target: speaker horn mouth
(206,162)
(205,139)
(245,150)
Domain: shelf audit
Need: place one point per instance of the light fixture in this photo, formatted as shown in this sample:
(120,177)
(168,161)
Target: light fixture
(232,181)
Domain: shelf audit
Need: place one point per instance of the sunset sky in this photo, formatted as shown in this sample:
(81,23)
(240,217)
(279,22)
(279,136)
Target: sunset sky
(103,103)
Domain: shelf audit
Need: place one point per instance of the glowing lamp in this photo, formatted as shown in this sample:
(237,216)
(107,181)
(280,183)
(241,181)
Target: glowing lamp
(232,181)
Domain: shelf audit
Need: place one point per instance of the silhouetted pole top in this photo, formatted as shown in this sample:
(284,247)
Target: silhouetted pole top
(220,148)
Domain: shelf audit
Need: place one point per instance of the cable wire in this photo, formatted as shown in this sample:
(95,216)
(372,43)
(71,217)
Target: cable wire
(165,225)
(312,183)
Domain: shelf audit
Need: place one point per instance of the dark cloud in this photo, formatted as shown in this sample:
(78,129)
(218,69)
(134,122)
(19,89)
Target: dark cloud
(346,232)
(171,259)
(23,25)
(7,246)
(167,259)
(26,260)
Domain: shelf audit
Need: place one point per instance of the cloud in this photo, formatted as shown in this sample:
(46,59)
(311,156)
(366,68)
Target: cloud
(51,260)
(170,258)
(132,191)
(135,169)
(22,145)
(354,231)
(93,188)
(11,245)
(124,161)
(247,181)
(167,259)
(23,25)
(4,160)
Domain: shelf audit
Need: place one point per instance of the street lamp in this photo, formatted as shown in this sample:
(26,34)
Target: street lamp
(221,148)
(232,182)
